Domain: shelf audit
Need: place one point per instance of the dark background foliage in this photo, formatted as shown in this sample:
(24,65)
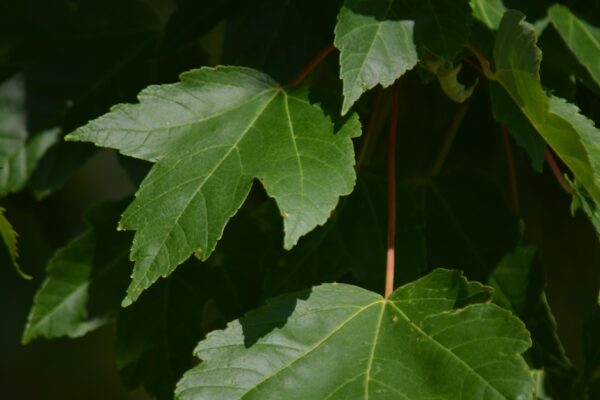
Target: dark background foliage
(79,57)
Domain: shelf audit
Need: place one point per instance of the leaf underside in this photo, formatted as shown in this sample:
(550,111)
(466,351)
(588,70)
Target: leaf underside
(581,38)
(572,136)
(210,135)
(434,338)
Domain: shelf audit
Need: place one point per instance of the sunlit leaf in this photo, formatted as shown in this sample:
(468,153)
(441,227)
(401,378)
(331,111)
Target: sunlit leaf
(210,136)
(342,342)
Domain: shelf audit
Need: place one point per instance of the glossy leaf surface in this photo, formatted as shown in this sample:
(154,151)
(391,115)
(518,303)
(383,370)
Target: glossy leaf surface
(342,342)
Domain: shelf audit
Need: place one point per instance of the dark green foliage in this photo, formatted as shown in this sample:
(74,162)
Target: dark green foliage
(253,172)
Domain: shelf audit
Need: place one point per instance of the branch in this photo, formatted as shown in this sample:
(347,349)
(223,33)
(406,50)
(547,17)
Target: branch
(312,64)
(557,172)
(389,275)
(485,64)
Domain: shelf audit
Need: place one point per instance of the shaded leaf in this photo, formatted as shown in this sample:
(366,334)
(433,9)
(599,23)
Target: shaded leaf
(19,151)
(10,239)
(489,12)
(581,37)
(572,136)
(156,335)
(342,342)
(519,286)
(77,59)
(85,281)
(582,200)
(507,112)
(210,135)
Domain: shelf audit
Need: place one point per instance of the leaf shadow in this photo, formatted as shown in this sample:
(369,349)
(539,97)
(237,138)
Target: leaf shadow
(275,314)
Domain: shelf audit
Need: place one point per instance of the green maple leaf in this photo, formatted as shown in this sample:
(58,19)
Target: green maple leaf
(19,151)
(86,279)
(582,38)
(436,337)
(572,136)
(378,39)
(210,136)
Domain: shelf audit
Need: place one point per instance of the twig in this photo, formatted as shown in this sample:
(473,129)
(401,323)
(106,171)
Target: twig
(512,176)
(485,64)
(379,112)
(473,65)
(557,172)
(389,275)
(312,64)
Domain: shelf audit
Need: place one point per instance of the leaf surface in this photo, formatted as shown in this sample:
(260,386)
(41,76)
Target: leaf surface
(378,40)
(85,281)
(10,239)
(507,112)
(210,136)
(375,48)
(572,136)
(519,286)
(489,12)
(19,152)
(581,37)
(338,341)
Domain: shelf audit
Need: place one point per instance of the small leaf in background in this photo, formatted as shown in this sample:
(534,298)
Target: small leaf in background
(378,40)
(507,112)
(338,341)
(376,46)
(582,38)
(77,58)
(519,286)
(9,237)
(19,150)
(210,136)
(447,75)
(489,12)
(86,280)
(582,200)
(570,134)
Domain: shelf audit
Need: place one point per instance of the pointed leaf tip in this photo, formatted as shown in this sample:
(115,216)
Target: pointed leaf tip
(210,135)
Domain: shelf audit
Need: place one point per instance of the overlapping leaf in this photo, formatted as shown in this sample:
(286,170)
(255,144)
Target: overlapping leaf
(85,280)
(507,112)
(211,135)
(581,37)
(378,40)
(10,239)
(19,152)
(520,287)
(343,342)
(572,136)
(489,12)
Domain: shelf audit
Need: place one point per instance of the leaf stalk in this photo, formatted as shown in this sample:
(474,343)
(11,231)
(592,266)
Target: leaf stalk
(390,265)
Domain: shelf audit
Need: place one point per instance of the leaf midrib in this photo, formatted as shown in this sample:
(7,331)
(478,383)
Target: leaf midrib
(133,288)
